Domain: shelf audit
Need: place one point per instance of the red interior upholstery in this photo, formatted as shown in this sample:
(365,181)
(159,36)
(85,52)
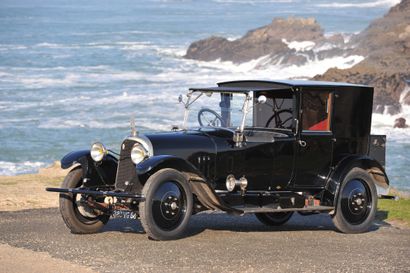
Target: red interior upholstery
(321,126)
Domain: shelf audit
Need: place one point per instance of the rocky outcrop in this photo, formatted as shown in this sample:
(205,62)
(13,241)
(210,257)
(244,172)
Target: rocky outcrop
(386,45)
(285,41)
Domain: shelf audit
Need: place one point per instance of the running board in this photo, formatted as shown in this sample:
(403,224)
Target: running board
(267,209)
(391,197)
(138,197)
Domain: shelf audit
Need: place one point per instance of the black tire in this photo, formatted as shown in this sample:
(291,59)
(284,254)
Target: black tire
(274,218)
(168,205)
(69,209)
(356,202)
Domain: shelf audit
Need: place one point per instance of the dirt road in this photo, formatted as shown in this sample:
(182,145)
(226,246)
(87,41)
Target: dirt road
(214,243)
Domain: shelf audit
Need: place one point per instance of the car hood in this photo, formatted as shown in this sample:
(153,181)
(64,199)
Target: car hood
(188,145)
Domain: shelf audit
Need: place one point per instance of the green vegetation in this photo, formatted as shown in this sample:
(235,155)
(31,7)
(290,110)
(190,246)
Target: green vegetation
(392,210)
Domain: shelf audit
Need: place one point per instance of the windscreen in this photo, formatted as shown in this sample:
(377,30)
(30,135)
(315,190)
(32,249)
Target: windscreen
(214,109)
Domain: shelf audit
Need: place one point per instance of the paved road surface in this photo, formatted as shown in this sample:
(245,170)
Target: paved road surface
(215,243)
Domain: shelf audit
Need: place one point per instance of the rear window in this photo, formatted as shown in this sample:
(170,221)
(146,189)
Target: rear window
(316,111)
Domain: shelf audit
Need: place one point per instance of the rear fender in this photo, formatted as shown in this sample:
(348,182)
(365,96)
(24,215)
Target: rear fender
(94,173)
(199,185)
(372,166)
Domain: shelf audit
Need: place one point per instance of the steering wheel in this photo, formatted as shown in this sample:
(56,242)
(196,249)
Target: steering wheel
(282,119)
(208,117)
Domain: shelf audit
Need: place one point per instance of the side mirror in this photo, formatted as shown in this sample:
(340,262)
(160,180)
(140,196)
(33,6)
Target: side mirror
(261,99)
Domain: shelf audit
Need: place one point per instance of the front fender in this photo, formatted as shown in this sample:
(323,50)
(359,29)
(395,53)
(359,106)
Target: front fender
(199,184)
(94,173)
(158,162)
(73,158)
(372,166)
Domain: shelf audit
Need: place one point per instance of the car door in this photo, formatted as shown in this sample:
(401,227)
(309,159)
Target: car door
(268,166)
(314,147)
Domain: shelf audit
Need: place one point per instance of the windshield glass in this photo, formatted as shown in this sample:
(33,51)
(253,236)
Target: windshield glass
(214,109)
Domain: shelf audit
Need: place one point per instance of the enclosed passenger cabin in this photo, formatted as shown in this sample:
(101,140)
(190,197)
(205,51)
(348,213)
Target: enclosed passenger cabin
(342,110)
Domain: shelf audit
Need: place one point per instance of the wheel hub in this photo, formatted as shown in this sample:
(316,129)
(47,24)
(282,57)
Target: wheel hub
(169,205)
(356,202)
(174,206)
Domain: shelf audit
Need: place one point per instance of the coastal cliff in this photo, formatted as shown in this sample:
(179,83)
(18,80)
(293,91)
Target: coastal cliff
(384,44)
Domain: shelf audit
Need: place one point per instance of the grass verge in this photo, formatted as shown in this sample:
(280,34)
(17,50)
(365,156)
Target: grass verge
(394,211)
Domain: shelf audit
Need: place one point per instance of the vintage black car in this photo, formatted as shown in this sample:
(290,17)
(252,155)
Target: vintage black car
(270,148)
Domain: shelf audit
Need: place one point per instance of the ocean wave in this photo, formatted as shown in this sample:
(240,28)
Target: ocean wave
(178,72)
(25,167)
(105,33)
(143,122)
(383,123)
(263,68)
(379,3)
(6,47)
(299,45)
(252,2)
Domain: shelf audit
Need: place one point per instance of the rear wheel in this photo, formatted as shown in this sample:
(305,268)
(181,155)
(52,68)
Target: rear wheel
(77,216)
(357,202)
(274,218)
(168,205)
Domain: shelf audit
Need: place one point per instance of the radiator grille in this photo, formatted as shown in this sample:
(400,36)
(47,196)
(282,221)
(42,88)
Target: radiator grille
(126,168)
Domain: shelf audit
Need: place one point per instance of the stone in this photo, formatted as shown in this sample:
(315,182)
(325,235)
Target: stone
(400,123)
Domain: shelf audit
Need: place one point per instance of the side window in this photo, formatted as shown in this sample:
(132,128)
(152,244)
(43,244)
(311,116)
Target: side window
(316,111)
(276,112)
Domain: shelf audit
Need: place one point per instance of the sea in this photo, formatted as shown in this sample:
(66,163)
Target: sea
(74,72)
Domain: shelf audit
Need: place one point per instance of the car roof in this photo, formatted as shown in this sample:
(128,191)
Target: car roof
(228,89)
(292,83)
(246,86)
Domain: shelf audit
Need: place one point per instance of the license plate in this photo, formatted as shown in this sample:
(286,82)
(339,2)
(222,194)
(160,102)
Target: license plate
(125,214)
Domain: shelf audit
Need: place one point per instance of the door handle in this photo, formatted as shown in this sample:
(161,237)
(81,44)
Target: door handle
(302,143)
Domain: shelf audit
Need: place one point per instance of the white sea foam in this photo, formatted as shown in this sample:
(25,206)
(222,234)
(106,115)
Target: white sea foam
(262,68)
(252,1)
(13,168)
(299,45)
(6,47)
(40,82)
(383,123)
(373,4)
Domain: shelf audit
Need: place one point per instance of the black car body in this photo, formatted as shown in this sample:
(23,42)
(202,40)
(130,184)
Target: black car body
(300,146)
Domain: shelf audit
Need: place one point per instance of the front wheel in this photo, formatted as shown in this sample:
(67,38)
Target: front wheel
(356,203)
(274,218)
(77,216)
(168,205)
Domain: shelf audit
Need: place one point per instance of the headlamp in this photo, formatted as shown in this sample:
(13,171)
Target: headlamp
(138,153)
(98,151)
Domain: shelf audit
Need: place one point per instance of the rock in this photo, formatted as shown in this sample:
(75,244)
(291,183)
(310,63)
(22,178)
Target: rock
(378,109)
(392,109)
(281,41)
(400,123)
(386,45)
(406,98)
(213,46)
